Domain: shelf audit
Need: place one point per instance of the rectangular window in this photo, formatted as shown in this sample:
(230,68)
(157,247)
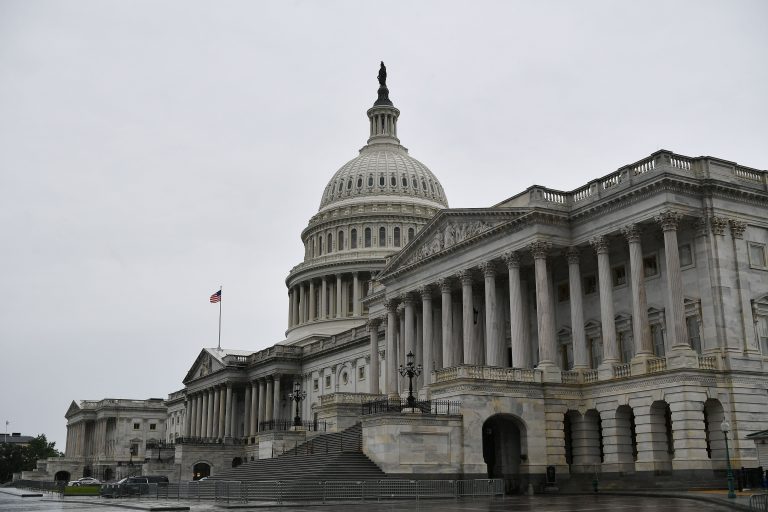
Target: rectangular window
(686,255)
(590,285)
(619,275)
(762,333)
(625,346)
(650,266)
(327,381)
(566,353)
(657,334)
(694,338)
(152,426)
(595,352)
(563,292)
(134,449)
(757,255)
(361,373)
(136,426)
(316,384)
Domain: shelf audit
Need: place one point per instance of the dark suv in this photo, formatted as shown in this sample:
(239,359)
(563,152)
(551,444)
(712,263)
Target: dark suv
(132,486)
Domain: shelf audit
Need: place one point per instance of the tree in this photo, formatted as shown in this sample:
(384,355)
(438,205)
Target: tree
(15,458)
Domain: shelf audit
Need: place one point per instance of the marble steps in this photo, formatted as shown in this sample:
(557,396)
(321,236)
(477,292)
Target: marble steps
(348,440)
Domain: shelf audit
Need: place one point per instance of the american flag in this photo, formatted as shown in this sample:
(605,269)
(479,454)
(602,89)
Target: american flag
(216,297)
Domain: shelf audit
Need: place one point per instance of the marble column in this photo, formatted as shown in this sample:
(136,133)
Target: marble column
(409,328)
(198,415)
(741,266)
(426,334)
(302,304)
(605,284)
(312,302)
(678,332)
(262,414)
(270,401)
(247,412)
(641,330)
(547,342)
(228,418)
(324,299)
(187,423)
(276,397)
(467,308)
(222,414)
(355,295)
(576,297)
(290,308)
(391,355)
(494,346)
(447,311)
(216,433)
(373,369)
(253,423)
(203,413)
(339,310)
(209,414)
(294,306)
(521,352)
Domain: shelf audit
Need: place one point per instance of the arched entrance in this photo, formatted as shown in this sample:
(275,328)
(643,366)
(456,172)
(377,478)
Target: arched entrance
(200,470)
(236,462)
(62,476)
(504,447)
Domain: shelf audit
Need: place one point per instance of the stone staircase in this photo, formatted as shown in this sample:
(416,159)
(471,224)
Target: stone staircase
(642,482)
(334,456)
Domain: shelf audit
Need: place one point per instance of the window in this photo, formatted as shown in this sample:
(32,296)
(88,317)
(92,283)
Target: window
(344,378)
(396,236)
(405,182)
(353,239)
(650,266)
(686,255)
(349,183)
(624,339)
(361,373)
(327,381)
(595,351)
(341,186)
(757,255)
(424,185)
(329,247)
(563,292)
(381,180)
(566,354)
(657,336)
(136,426)
(382,237)
(152,426)
(694,338)
(619,275)
(316,384)
(340,241)
(393,181)
(370,180)
(410,234)
(134,449)
(320,245)
(367,240)
(762,333)
(360,182)
(590,284)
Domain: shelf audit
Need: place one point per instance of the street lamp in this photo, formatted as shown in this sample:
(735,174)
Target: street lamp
(726,427)
(410,371)
(297,396)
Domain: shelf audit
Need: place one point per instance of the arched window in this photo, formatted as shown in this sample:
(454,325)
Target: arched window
(349,183)
(353,239)
(382,237)
(396,237)
(370,180)
(341,186)
(329,245)
(410,234)
(393,181)
(405,181)
(414,183)
(360,182)
(340,241)
(424,185)
(367,237)
(381,180)
(320,245)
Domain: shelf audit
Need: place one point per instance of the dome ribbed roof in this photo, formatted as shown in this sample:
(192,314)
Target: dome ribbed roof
(384,170)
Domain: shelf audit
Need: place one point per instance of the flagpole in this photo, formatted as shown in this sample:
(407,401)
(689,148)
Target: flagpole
(220,287)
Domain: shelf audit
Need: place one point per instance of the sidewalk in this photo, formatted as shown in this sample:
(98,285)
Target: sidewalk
(718,497)
(20,493)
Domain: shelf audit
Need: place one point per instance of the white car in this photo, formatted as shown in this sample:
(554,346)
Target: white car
(84,481)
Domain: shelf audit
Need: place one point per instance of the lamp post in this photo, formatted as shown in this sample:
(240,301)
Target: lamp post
(297,396)
(726,427)
(410,370)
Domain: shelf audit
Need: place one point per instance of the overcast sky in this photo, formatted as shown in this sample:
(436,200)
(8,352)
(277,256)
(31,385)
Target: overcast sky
(152,151)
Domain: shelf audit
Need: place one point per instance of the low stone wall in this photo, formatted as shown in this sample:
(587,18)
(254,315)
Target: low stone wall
(414,444)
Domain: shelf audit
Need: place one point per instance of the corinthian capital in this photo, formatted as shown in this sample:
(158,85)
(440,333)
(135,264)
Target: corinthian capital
(488,268)
(512,259)
(465,276)
(669,220)
(599,244)
(391,305)
(572,254)
(444,285)
(737,228)
(425,292)
(718,225)
(632,233)
(540,249)
(373,324)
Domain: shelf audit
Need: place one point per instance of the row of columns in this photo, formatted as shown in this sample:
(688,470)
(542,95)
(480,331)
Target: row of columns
(471,352)
(213,412)
(303,301)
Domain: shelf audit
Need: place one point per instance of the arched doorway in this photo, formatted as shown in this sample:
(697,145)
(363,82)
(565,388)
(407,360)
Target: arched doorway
(236,461)
(504,447)
(200,470)
(662,439)
(626,438)
(62,476)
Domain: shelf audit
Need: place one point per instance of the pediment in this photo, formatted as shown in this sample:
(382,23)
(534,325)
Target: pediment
(205,364)
(73,409)
(449,230)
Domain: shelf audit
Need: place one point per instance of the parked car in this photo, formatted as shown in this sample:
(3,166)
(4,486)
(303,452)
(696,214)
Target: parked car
(132,486)
(84,481)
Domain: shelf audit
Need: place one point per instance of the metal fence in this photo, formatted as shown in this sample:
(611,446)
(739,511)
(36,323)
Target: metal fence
(758,503)
(283,425)
(425,406)
(280,491)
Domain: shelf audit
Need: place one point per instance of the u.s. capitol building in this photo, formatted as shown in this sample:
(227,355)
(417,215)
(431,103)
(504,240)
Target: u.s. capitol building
(614,328)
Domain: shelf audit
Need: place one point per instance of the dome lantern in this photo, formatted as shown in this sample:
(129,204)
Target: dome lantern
(383,115)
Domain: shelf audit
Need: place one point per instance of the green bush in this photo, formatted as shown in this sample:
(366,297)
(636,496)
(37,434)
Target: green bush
(82,490)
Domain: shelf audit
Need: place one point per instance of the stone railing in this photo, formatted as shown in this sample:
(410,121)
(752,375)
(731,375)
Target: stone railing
(492,373)
(590,376)
(570,377)
(349,398)
(622,370)
(708,363)
(657,364)
(276,351)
